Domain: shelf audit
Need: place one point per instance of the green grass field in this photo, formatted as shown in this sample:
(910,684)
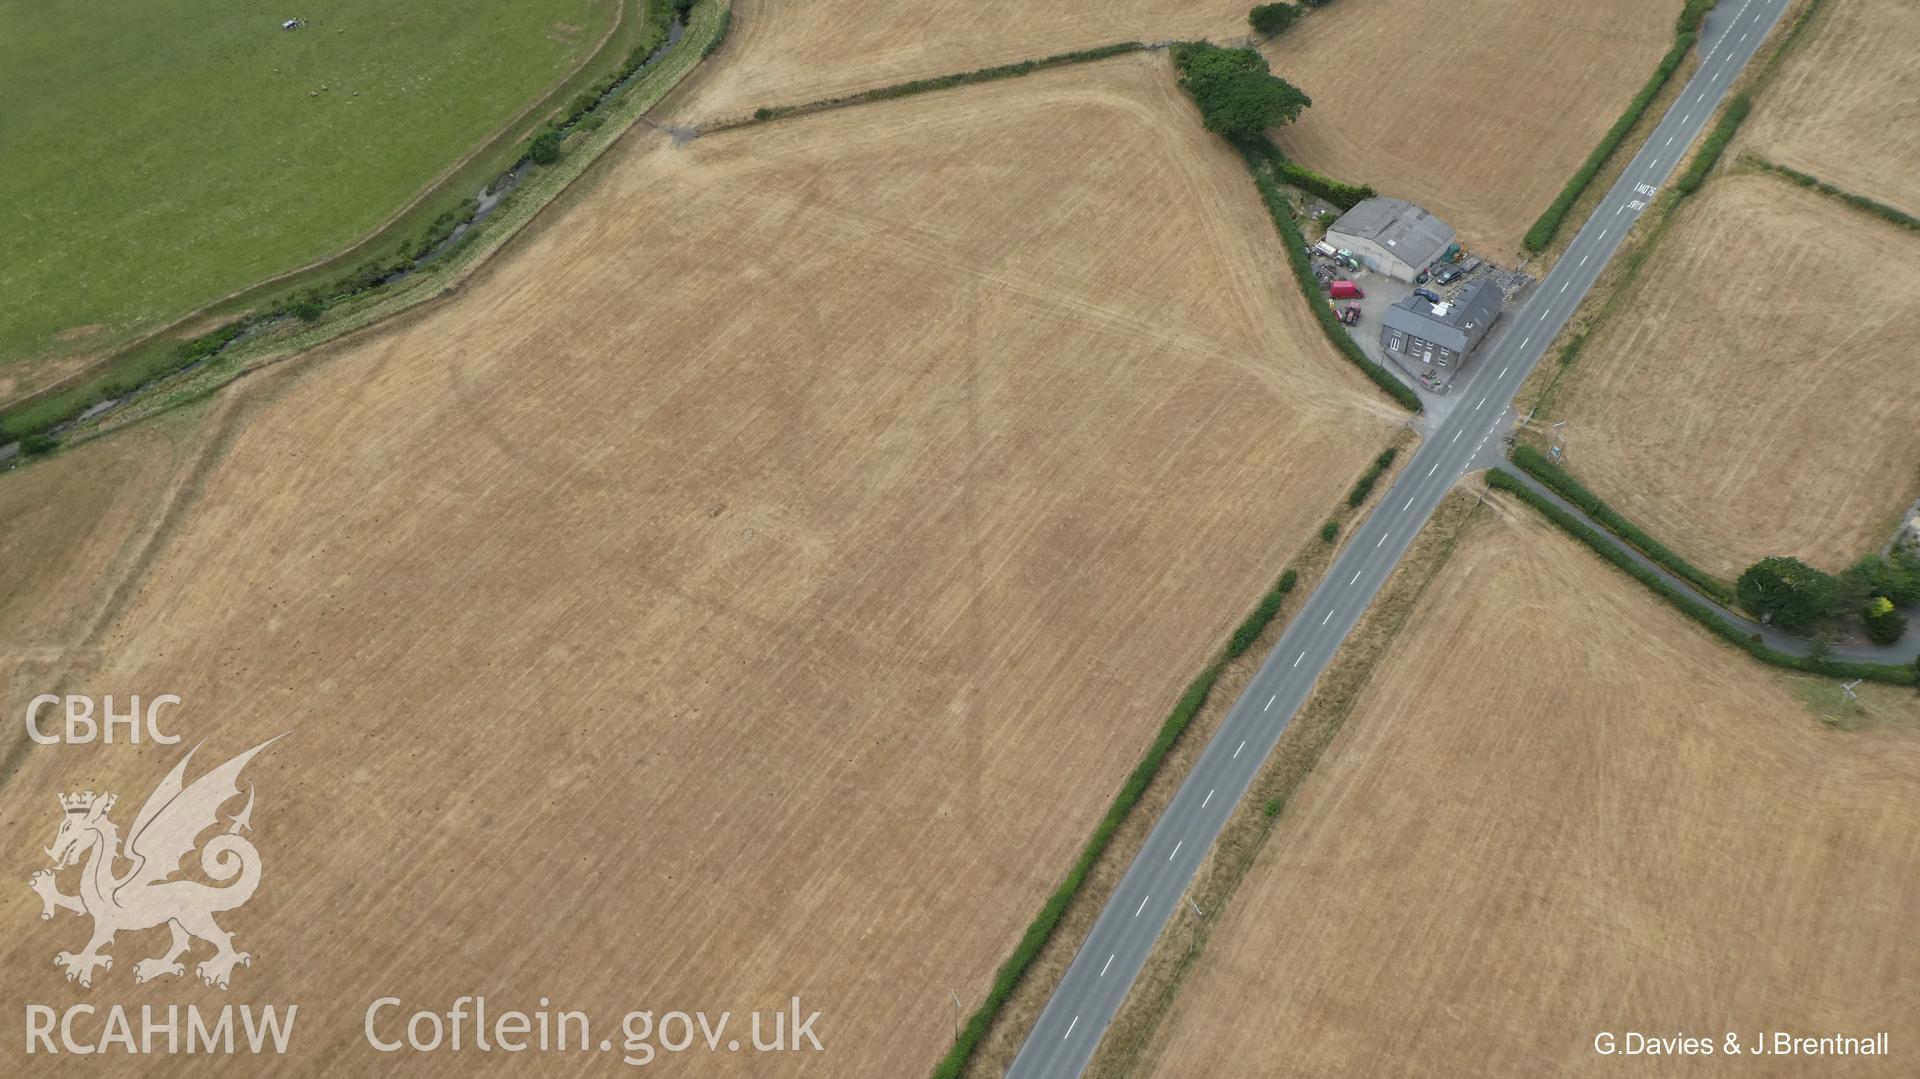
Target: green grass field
(162,155)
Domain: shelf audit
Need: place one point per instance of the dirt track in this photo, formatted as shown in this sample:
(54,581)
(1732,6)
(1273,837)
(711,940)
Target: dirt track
(1561,809)
(756,584)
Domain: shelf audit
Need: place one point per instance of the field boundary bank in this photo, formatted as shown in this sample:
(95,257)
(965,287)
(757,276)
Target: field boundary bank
(926,85)
(1128,1043)
(1762,643)
(1540,235)
(1891,214)
(388,228)
(1069,897)
(448,272)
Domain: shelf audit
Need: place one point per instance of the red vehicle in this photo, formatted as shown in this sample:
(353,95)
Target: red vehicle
(1351,316)
(1345,290)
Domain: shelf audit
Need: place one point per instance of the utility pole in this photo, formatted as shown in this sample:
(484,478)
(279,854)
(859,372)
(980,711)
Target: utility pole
(956,1015)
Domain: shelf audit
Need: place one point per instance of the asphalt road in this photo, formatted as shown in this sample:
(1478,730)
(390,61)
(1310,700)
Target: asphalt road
(1154,887)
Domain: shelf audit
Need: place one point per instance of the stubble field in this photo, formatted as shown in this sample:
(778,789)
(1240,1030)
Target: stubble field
(1747,398)
(1478,111)
(787,54)
(756,584)
(1560,809)
(1846,106)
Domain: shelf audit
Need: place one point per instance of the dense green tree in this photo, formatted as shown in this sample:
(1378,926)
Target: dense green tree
(1272,19)
(1884,624)
(1237,95)
(1791,593)
(1896,578)
(544,149)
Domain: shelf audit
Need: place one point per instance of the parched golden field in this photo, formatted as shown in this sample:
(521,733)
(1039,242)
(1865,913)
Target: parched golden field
(789,54)
(756,584)
(1479,111)
(1749,398)
(1846,106)
(1560,808)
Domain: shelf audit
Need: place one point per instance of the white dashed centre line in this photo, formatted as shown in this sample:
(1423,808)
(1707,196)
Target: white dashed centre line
(1103,968)
(1270,700)
(1208,798)
(1143,899)
(1381,540)
(1456,436)
(1564,284)
(1070,1026)
(1236,756)
(1584,258)
(1430,471)
(1356,576)
(1409,504)
(1503,372)
(1303,655)
(1669,141)
(1327,619)
(1483,401)
(1176,850)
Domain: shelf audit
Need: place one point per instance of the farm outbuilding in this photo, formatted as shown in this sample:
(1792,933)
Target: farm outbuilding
(1391,236)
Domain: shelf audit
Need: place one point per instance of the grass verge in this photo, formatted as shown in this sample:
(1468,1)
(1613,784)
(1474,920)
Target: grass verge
(1020,988)
(1128,1042)
(1686,31)
(1901,675)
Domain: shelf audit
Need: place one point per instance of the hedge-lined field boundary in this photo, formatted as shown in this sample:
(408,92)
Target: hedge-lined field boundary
(1713,620)
(928,85)
(1686,32)
(1715,144)
(1256,153)
(1536,464)
(1814,183)
(1007,978)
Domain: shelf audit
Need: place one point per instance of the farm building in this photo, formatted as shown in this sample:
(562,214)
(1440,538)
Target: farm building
(1431,339)
(1391,236)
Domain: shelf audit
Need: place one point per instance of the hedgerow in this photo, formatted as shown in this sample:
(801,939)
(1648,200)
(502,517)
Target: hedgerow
(1296,247)
(1858,202)
(1541,234)
(1712,146)
(1007,978)
(1687,604)
(942,82)
(1536,464)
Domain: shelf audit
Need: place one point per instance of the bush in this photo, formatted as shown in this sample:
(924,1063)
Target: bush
(1256,623)
(1541,234)
(1787,592)
(1364,486)
(37,445)
(1535,464)
(1238,95)
(1287,581)
(545,148)
(1272,19)
(1898,579)
(1329,530)
(1884,624)
(306,310)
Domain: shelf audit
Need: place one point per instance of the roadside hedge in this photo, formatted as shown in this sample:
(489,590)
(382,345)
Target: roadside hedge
(1858,202)
(1540,467)
(1541,234)
(1714,144)
(1902,674)
(1007,978)
(1364,486)
(1296,245)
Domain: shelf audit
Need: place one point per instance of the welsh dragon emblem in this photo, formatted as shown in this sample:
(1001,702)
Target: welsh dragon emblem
(144,895)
